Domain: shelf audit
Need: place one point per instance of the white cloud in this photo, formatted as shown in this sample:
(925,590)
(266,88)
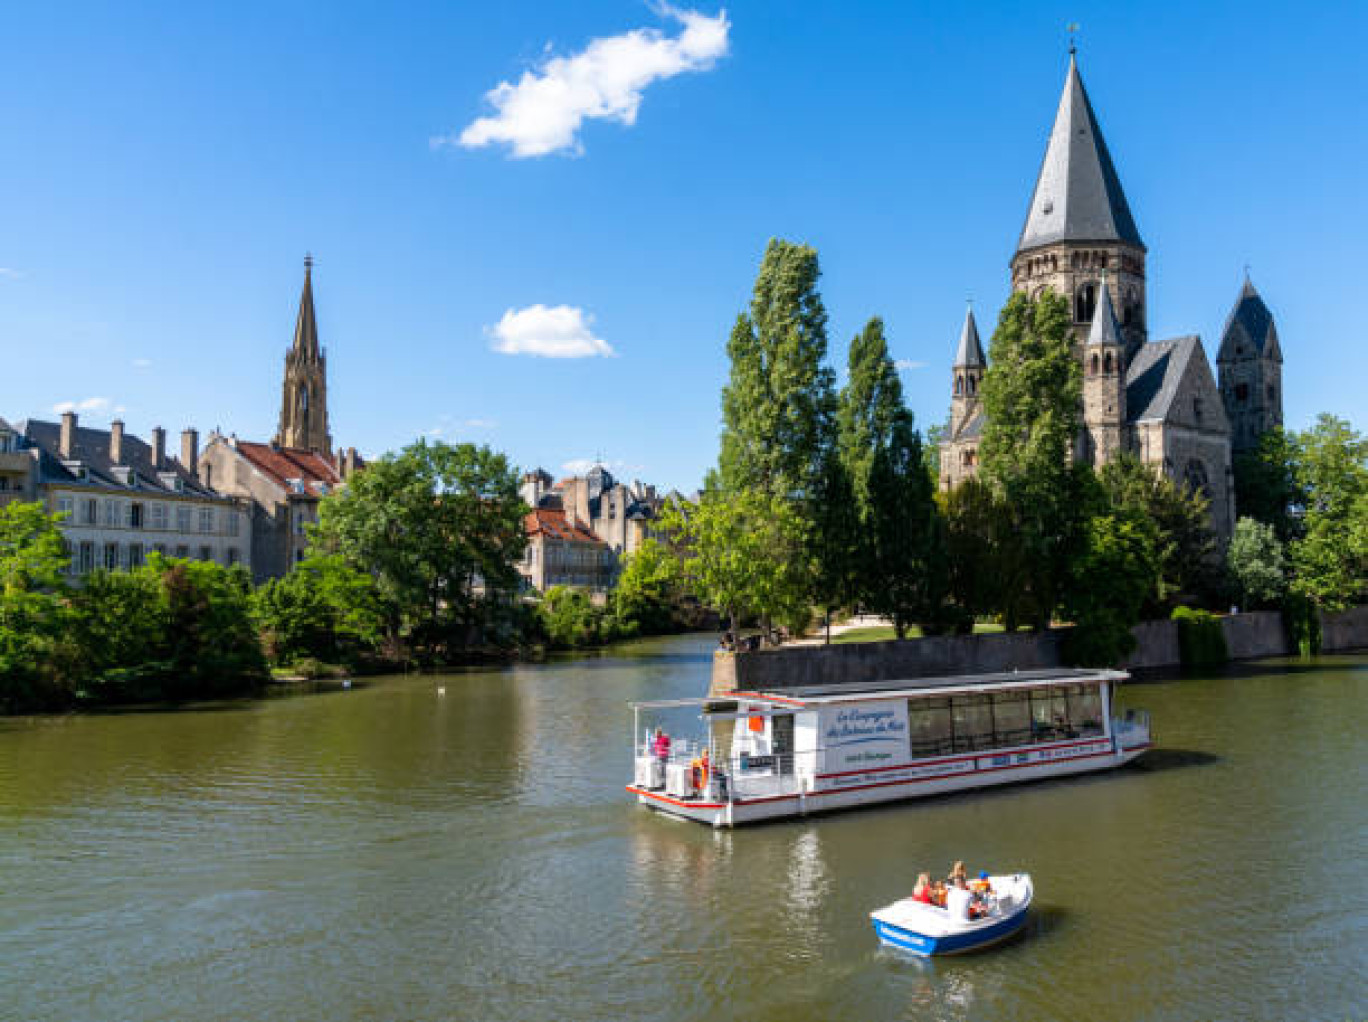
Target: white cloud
(90,404)
(559,331)
(543,112)
(142,363)
(907,363)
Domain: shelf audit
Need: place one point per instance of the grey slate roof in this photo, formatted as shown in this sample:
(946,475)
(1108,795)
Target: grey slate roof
(1249,324)
(973,429)
(1077,196)
(1154,376)
(970,352)
(90,447)
(1105,329)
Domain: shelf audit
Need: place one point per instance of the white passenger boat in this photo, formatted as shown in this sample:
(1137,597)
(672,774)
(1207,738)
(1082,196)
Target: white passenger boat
(928,930)
(791,752)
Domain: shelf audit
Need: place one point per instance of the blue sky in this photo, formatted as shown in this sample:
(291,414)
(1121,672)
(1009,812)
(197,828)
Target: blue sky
(166,167)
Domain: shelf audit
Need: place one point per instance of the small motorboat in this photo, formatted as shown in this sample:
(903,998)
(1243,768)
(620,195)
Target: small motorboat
(926,929)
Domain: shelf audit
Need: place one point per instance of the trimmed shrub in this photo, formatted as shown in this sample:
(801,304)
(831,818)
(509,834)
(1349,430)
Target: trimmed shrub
(1201,641)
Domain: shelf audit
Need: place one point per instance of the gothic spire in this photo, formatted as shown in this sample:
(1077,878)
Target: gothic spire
(306,327)
(1077,196)
(1249,322)
(970,353)
(1105,329)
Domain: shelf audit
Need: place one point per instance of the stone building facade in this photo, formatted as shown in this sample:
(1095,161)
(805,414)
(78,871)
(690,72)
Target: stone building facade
(125,499)
(561,551)
(17,467)
(1158,399)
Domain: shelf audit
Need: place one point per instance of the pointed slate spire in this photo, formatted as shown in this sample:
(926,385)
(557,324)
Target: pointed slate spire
(1105,329)
(1250,323)
(1077,196)
(970,353)
(306,327)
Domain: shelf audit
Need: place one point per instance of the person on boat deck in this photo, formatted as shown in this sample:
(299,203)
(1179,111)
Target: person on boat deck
(661,745)
(958,901)
(699,771)
(958,873)
(922,892)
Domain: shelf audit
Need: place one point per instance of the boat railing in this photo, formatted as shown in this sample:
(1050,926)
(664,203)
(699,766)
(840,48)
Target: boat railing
(1133,729)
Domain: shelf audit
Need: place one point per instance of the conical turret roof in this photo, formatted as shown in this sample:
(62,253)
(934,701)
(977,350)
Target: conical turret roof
(1251,322)
(970,353)
(1077,196)
(1105,329)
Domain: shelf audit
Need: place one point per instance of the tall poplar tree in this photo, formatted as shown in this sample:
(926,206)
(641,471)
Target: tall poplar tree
(779,403)
(1032,393)
(898,520)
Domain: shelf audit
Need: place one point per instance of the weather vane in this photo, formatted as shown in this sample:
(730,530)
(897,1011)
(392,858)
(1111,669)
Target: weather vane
(1072,29)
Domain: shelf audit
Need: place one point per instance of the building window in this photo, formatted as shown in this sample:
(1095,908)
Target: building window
(1197,408)
(1108,364)
(182,551)
(182,519)
(234,523)
(232,556)
(111,512)
(206,519)
(111,557)
(86,563)
(1195,478)
(1242,392)
(1092,366)
(92,512)
(135,555)
(206,553)
(1085,302)
(135,516)
(157,517)
(65,505)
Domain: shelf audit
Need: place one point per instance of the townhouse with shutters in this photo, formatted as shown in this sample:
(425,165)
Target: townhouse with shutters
(123,498)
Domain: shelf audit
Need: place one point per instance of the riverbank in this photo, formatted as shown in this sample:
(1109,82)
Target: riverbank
(1158,648)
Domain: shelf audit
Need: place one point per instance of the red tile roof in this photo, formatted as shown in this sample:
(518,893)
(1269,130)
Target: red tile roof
(283,464)
(555,525)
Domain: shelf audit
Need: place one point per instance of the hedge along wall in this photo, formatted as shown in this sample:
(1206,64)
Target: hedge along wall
(1247,637)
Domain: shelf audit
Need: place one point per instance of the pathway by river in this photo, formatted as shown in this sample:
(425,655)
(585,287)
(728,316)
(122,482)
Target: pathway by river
(391,853)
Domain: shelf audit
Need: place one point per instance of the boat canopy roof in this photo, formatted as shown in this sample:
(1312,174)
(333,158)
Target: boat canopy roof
(822,695)
(818,695)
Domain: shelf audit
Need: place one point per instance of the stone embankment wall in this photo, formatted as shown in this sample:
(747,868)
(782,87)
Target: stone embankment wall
(1248,637)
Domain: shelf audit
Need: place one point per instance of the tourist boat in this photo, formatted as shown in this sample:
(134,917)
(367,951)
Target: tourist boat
(928,930)
(791,752)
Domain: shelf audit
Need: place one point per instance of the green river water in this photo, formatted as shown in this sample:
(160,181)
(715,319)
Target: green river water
(389,852)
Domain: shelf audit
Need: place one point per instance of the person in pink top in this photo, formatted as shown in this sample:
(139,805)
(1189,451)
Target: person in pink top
(661,745)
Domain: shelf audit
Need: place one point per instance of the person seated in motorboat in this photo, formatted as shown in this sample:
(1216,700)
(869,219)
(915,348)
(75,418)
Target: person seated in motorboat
(957,873)
(982,885)
(922,892)
(959,901)
(938,892)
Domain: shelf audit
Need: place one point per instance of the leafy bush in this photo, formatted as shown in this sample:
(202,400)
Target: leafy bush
(1201,642)
(1301,622)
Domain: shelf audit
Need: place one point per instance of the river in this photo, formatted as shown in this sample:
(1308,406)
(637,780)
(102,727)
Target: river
(461,847)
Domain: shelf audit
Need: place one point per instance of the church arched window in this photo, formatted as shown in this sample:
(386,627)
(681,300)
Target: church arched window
(1085,302)
(972,381)
(959,385)
(1195,477)
(1092,366)
(1107,364)
(303,399)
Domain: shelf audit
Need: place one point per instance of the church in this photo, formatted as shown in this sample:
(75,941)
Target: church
(1156,398)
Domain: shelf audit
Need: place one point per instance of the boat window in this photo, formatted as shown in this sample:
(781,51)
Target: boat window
(1012,718)
(1085,709)
(781,742)
(973,721)
(929,727)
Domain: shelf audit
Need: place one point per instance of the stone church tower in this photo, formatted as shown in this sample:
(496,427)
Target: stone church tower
(1250,365)
(304,401)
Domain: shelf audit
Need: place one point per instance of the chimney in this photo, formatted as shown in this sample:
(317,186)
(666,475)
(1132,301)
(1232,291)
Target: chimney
(66,442)
(158,448)
(116,441)
(190,450)
(349,466)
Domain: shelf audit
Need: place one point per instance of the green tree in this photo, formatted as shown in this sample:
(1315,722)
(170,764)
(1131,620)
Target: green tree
(1330,562)
(570,619)
(1032,402)
(982,549)
(643,600)
(1189,565)
(893,496)
(1117,571)
(779,401)
(740,555)
(434,525)
(32,560)
(324,609)
(1257,564)
(1266,485)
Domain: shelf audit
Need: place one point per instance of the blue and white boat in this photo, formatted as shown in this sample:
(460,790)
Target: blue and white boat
(923,929)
